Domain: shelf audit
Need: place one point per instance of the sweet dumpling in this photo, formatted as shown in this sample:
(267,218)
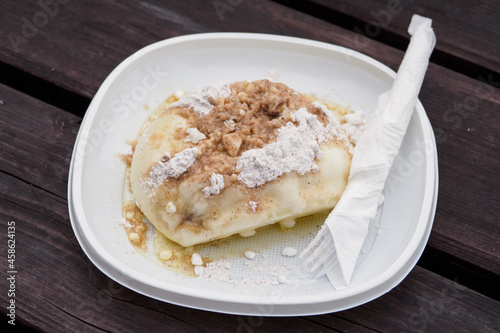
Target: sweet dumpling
(230,158)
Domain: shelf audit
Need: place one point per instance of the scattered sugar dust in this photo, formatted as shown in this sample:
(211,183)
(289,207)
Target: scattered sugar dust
(265,268)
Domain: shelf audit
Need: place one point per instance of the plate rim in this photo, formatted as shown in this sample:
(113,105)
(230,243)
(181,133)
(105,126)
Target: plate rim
(75,202)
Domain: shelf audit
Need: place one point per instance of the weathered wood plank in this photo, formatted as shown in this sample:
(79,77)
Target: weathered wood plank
(58,289)
(58,51)
(466,121)
(36,141)
(465,30)
(446,94)
(77,48)
(425,304)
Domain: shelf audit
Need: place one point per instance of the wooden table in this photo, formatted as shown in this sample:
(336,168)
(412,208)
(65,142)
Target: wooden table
(53,58)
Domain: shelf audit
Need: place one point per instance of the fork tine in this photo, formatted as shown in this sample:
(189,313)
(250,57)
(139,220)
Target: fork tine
(324,269)
(314,243)
(323,256)
(318,240)
(322,262)
(324,248)
(320,255)
(317,252)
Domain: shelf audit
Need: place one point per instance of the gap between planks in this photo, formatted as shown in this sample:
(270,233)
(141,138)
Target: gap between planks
(389,38)
(43,90)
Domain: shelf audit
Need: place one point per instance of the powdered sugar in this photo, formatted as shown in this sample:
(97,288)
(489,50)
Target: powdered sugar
(215,271)
(250,255)
(252,205)
(216,185)
(254,269)
(354,126)
(272,75)
(329,114)
(170,208)
(295,149)
(143,143)
(170,168)
(196,259)
(289,252)
(194,135)
(179,93)
(230,124)
(199,100)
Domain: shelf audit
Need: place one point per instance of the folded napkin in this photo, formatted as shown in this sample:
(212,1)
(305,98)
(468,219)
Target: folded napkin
(375,152)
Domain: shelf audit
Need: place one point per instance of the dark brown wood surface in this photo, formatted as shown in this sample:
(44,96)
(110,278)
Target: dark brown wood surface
(468,31)
(454,287)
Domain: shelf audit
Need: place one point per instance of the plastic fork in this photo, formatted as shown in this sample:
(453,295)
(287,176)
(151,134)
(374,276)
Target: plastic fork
(320,256)
(339,241)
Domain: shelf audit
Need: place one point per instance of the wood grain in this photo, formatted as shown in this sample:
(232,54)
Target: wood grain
(465,30)
(77,48)
(36,142)
(60,290)
(83,42)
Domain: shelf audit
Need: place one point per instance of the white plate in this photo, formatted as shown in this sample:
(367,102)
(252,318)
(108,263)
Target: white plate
(332,72)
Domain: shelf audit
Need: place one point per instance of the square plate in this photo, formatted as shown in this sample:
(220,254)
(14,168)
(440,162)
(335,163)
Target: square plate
(331,72)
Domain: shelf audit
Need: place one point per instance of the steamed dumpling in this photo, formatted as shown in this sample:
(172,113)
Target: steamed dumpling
(230,158)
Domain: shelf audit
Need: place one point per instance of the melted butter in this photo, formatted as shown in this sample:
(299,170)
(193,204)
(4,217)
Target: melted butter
(235,246)
(136,226)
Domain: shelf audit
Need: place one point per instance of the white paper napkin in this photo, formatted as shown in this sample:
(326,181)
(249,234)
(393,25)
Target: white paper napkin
(375,152)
